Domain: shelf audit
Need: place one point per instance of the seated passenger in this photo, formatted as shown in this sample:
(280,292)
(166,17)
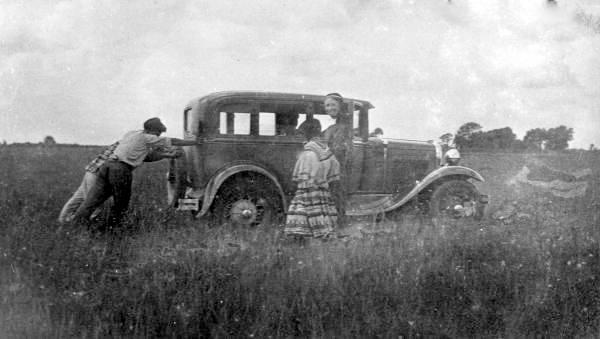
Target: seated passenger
(285,124)
(310,120)
(376,135)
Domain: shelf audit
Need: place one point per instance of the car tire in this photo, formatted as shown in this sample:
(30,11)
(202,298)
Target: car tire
(454,202)
(176,180)
(247,199)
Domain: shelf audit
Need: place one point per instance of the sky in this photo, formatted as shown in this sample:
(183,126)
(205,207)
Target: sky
(87,71)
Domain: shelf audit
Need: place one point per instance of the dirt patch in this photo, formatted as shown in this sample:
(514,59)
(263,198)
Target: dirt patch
(544,193)
(560,184)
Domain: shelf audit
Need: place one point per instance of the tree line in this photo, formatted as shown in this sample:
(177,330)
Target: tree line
(471,136)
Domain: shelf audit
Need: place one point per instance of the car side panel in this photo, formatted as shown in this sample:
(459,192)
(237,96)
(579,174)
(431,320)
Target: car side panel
(373,167)
(405,163)
(276,154)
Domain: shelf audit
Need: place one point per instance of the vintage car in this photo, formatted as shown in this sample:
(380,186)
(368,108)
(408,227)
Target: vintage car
(247,144)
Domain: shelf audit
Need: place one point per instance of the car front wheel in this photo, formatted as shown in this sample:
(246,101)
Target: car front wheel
(454,202)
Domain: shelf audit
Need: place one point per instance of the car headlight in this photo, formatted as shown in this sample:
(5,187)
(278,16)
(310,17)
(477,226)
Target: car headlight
(452,157)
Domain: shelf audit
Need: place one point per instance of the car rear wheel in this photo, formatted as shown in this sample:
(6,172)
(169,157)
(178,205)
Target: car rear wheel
(455,202)
(248,199)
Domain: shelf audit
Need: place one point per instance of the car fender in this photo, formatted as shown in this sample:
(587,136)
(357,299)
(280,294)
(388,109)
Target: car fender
(433,177)
(394,201)
(446,171)
(227,171)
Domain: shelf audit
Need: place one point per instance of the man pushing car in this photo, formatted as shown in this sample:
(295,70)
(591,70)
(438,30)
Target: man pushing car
(114,177)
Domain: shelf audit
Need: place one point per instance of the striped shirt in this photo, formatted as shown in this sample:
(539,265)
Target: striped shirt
(101,158)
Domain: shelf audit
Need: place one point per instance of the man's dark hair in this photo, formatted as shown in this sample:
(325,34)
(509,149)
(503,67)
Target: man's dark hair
(154,125)
(310,128)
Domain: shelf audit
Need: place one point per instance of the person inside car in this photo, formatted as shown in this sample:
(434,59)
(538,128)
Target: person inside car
(285,124)
(377,134)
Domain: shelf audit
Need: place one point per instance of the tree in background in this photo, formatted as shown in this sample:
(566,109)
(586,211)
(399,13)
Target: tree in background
(467,134)
(471,136)
(501,138)
(534,138)
(588,20)
(446,139)
(557,138)
(49,140)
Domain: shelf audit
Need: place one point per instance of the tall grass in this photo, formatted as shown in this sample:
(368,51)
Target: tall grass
(173,276)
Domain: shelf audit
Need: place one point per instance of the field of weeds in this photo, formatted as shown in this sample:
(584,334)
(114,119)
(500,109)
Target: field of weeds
(531,270)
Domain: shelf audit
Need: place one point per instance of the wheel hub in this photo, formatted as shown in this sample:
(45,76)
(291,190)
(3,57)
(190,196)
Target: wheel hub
(462,210)
(243,212)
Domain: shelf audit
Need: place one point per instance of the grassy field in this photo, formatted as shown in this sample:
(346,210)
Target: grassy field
(535,275)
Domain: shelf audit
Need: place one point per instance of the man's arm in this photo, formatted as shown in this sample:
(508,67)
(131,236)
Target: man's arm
(170,153)
(181,142)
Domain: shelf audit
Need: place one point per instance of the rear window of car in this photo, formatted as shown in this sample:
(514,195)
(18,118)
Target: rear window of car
(267,119)
(242,123)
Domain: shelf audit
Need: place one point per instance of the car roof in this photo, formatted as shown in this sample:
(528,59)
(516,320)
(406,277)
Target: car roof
(258,95)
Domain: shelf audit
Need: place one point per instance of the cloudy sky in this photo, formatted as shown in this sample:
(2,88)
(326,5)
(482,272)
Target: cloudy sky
(86,71)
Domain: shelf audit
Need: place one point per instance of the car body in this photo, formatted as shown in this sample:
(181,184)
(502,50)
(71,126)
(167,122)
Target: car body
(248,142)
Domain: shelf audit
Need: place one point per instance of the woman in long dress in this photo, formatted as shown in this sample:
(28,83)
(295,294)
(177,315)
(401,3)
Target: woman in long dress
(312,211)
(338,138)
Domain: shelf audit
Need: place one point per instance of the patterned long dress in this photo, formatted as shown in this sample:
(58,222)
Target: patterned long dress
(312,211)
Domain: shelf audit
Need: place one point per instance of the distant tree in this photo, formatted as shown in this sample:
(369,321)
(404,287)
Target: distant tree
(446,139)
(558,138)
(589,21)
(534,138)
(468,129)
(592,147)
(555,139)
(467,134)
(501,138)
(49,140)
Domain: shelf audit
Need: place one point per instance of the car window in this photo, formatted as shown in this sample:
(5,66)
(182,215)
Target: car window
(268,119)
(325,121)
(266,122)
(234,123)
(186,114)
(223,123)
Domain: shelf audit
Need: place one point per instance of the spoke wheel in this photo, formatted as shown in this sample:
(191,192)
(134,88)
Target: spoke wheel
(247,200)
(455,202)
